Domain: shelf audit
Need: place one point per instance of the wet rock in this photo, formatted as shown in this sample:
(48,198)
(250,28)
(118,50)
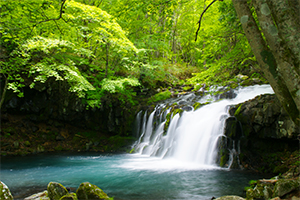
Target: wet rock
(56,190)
(71,196)
(39,196)
(228,95)
(187,108)
(5,192)
(261,130)
(230,198)
(88,191)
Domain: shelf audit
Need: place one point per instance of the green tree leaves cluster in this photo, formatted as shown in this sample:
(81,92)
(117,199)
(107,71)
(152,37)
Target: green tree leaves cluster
(101,49)
(64,40)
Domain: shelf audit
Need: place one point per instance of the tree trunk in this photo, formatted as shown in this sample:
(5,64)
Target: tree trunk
(4,91)
(107,56)
(277,54)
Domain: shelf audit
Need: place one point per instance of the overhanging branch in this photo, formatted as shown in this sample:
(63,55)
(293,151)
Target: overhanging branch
(199,22)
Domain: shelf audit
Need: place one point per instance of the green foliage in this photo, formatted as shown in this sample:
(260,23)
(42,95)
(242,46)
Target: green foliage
(160,96)
(144,44)
(64,41)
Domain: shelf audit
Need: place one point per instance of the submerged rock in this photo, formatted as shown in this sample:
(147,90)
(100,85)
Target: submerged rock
(5,192)
(56,190)
(88,191)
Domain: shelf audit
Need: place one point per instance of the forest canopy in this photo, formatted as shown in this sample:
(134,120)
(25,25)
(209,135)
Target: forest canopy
(100,49)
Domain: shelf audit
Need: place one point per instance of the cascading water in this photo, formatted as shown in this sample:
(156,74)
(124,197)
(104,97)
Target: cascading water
(191,137)
(177,162)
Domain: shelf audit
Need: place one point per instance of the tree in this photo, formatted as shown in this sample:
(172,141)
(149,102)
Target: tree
(275,40)
(65,41)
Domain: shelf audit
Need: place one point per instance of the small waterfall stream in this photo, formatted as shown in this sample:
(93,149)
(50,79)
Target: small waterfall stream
(192,136)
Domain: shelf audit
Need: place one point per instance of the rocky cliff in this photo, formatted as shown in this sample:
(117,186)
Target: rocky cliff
(260,135)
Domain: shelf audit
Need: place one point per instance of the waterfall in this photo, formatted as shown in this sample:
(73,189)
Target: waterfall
(192,136)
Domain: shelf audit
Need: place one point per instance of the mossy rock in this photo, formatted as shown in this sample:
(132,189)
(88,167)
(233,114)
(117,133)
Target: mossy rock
(285,186)
(230,198)
(88,191)
(56,190)
(71,196)
(5,192)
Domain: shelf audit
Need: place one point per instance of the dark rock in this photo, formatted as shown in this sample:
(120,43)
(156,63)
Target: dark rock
(228,95)
(259,128)
(187,108)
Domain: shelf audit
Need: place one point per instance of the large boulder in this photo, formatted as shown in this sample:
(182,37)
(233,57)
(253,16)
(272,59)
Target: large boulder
(56,190)
(88,191)
(258,134)
(5,192)
(285,186)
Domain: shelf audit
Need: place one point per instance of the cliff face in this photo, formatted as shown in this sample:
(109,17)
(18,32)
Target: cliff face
(49,118)
(259,135)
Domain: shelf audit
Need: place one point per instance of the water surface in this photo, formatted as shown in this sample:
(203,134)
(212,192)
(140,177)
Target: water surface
(123,176)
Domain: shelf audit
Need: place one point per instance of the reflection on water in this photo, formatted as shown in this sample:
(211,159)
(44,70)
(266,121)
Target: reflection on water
(123,176)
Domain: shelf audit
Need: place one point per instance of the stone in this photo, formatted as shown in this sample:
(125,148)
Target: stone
(88,191)
(5,192)
(285,186)
(56,190)
(230,198)
(39,196)
(71,196)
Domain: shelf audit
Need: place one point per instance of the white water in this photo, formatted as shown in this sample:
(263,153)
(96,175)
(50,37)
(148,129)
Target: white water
(191,139)
(178,165)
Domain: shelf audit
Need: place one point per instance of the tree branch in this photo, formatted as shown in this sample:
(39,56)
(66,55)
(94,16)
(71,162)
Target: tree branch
(55,19)
(199,22)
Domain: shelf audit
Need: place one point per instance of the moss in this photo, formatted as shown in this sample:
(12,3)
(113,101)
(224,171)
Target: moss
(160,96)
(132,150)
(187,88)
(238,110)
(198,105)
(223,161)
(269,59)
(89,191)
(56,190)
